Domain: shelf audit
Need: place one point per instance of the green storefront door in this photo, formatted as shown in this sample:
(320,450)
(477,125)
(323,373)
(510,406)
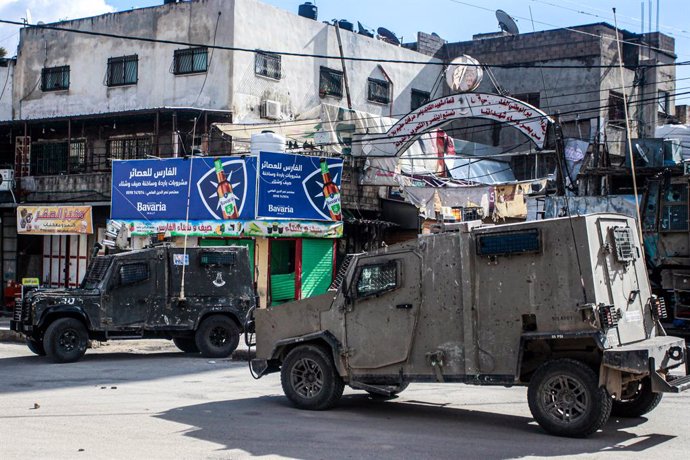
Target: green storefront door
(317,266)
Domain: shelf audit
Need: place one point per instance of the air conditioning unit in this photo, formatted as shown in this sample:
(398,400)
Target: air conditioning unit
(6,179)
(270,110)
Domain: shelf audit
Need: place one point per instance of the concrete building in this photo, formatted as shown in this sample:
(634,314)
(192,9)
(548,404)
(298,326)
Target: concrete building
(580,79)
(80,101)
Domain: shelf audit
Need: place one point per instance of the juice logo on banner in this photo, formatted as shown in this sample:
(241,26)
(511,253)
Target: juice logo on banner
(223,188)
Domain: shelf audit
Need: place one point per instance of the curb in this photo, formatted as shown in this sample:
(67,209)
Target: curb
(10,336)
(242,355)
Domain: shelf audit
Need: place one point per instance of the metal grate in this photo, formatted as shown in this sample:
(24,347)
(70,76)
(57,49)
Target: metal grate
(134,273)
(340,276)
(217,258)
(18,311)
(623,242)
(509,243)
(374,279)
(97,270)
(268,65)
(190,60)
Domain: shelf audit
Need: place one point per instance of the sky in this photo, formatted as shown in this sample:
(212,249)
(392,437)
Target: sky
(453,20)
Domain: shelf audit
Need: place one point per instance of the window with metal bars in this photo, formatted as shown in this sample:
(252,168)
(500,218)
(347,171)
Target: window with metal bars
(616,109)
(51,158)
(378,278)
(378,91)
(55,78)
(216,258)
(190,60)
(330,82)
(130,148)
(418,98)
(134,273)
(123,70)
(268,65)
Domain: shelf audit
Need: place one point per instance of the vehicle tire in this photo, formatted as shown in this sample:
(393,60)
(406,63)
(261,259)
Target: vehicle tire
(186,344)
(217,337)
(36,346)
(637,399)
(309,378)
(65,340)
(565,399)
(393,391)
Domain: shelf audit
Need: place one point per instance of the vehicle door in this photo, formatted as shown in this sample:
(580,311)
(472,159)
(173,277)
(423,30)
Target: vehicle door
(625,278)
(384,303)
(133,293)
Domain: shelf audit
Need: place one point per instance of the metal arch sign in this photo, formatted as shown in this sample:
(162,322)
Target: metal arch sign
(524,117)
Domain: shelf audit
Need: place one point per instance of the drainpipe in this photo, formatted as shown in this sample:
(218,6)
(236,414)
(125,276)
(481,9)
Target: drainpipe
(342,62)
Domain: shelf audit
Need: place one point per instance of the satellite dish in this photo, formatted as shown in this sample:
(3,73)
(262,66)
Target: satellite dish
(388,36)
(363,30)
(464,74)
(506,23)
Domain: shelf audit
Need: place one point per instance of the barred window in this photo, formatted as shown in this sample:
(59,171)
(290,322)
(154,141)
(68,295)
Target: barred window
(378,91)
(130,148)
(123,70)
(268,65)
(418,98)
(375,279)
(55,78)
(190,60)
(616,109)
(330,82)
(52,158)
(134,273)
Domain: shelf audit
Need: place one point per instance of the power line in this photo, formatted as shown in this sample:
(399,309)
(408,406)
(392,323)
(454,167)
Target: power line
(571,29)
(321,56)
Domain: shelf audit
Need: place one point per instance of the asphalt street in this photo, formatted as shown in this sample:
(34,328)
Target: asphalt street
(145,399)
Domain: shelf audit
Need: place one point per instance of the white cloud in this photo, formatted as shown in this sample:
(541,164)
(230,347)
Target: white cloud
(46,11)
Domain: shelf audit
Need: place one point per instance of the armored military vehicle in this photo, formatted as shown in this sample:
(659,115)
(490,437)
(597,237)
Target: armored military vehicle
(562,306)
(137,295)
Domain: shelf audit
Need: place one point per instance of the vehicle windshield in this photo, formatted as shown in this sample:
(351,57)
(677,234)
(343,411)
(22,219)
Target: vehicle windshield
(96,272)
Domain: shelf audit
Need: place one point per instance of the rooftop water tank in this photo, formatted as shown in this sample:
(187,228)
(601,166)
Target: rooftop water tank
(267,141)
(347,25)
(308,10)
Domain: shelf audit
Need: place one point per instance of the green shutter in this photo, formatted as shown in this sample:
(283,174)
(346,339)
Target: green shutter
(317,266)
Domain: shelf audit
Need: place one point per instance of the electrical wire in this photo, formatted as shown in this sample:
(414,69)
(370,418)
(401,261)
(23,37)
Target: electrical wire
(325,56)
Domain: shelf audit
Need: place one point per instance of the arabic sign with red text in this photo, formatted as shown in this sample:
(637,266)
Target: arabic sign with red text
(54,220)
(527,119)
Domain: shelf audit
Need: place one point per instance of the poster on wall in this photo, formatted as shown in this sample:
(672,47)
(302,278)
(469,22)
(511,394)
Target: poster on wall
(54,220)
(298,187)
(220,189)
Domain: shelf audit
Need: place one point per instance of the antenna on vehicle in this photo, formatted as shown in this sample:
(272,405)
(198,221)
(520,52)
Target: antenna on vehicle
(507,23)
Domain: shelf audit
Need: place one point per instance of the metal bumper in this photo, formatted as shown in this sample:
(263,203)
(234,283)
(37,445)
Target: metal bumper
(653,357)
(19,326)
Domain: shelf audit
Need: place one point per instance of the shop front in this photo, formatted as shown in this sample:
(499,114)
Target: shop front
(56,242)
(284,208)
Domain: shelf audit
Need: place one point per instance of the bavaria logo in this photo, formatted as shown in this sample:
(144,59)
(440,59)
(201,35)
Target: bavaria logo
(323,192)
(229,177)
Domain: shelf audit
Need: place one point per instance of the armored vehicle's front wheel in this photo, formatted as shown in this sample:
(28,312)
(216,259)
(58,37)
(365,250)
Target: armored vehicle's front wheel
(637,399)
(65,340)
(217,337)
(565,399)
(186,344)
(36,346)
(309,378)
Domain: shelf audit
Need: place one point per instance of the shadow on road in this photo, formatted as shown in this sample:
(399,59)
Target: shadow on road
(362,427)
(35,373)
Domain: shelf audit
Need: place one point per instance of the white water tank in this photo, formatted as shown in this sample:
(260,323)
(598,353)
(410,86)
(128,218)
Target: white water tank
(267,141)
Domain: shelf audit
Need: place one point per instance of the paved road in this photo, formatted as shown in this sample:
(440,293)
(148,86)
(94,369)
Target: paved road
(146,400)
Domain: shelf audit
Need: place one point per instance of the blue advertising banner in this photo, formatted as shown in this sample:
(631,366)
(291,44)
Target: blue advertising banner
(298,187)
(221,188)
